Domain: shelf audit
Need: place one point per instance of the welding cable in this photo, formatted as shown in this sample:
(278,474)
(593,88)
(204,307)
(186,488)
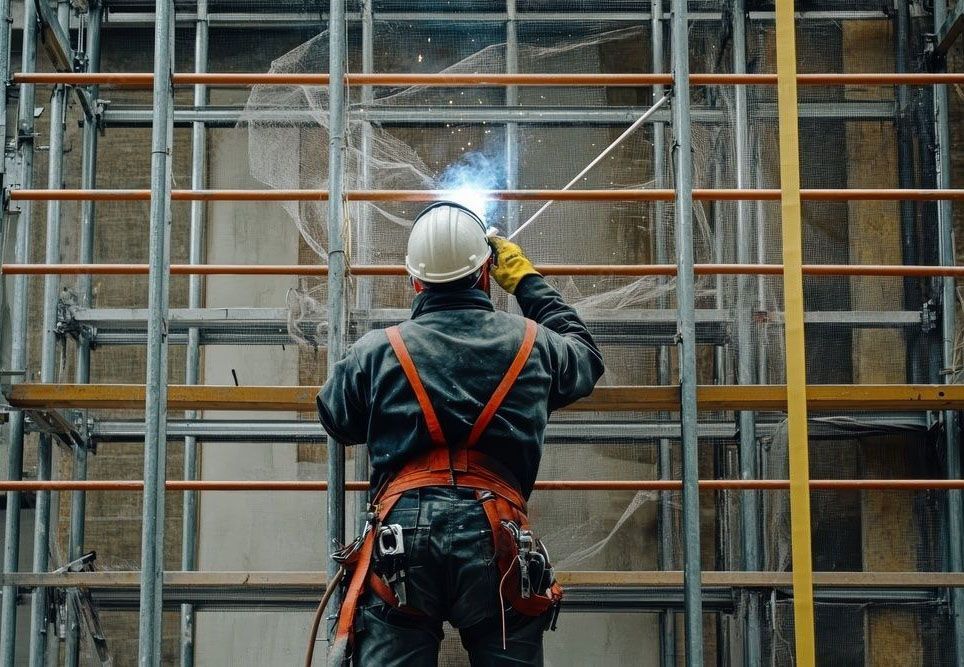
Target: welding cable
(320,613)
(599,158)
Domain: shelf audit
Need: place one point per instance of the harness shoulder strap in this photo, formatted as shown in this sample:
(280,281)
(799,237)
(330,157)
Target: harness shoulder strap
(441,457)
(498,396)
(408,366)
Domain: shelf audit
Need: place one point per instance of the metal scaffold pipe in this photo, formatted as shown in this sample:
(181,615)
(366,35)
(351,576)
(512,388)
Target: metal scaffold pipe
(511,100)
(750,500)
(337,46)
(273,485)
(39,620)
(667,642)
(628,270)
(18,326)
(365,245)
(88,179)
(155,417)
(189,531)
(449,80)
(952,424)
(686,332)
(649,194)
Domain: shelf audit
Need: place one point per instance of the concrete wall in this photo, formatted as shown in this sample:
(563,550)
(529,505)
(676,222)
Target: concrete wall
(252,531)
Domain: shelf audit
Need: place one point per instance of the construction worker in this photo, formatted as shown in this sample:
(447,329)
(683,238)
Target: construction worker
(453,405)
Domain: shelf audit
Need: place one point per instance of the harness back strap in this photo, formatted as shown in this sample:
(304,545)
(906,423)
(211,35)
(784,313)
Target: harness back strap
(408,366)
(511,375)
(441,457)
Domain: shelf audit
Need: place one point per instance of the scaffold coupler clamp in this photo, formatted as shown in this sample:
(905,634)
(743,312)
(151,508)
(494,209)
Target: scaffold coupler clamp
(930,315)
(390,562)
(60,597)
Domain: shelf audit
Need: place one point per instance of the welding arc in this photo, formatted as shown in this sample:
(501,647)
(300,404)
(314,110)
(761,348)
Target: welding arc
(599,158)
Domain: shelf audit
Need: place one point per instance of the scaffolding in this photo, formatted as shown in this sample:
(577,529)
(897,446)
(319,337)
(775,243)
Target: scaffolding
(678,328)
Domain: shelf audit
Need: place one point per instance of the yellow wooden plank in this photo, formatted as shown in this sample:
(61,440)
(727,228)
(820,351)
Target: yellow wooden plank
(760,398)
(800,541)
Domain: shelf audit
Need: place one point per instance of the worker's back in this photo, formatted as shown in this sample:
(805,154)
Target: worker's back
(453,405)
(461,348)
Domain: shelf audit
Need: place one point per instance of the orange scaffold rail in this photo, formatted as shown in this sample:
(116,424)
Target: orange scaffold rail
(445,79)
(645,194)
(546,485)
(628,270)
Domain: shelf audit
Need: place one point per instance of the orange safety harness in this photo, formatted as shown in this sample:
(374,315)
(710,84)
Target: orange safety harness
(443,465)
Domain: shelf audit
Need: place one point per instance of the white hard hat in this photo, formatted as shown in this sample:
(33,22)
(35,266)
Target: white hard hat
(447,242)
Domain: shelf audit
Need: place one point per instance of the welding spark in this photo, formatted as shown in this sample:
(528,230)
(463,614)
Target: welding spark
(468,180)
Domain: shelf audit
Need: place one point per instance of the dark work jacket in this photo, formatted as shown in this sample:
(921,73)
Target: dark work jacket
(462,347)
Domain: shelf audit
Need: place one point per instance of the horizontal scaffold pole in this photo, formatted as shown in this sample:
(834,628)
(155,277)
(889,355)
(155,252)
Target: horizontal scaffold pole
(760,398)
(627,270)
(648,578)
(601,195)
(449,80)
(277,485)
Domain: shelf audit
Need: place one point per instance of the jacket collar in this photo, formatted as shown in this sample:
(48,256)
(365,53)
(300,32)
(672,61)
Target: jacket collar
(468,299)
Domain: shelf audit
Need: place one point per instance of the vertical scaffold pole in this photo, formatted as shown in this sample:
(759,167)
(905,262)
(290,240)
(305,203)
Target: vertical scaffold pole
(191,374)
(750,501)
(6,21)
(88,174)
(363,293)
(18,329)
(511,129)
(686,322)
(952,432)
(336,262)
(795,344)
(907,178)
(155,408)
(48,361)
(667,624)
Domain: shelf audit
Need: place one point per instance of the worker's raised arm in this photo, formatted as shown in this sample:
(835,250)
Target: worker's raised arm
(343,401)
(576,362)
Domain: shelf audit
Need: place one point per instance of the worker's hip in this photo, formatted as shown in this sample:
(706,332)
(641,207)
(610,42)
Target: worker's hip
(461,555)
(445,553)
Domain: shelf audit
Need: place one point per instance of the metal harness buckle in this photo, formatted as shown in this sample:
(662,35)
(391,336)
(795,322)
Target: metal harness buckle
(390,560)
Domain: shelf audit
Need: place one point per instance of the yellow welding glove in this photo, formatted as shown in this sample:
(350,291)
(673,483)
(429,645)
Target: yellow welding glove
(511,264)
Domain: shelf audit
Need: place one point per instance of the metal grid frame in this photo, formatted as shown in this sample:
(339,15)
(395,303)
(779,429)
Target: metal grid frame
(685,399)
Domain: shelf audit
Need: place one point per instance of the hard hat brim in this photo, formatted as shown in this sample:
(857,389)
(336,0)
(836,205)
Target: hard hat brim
(473,262)
(451,276)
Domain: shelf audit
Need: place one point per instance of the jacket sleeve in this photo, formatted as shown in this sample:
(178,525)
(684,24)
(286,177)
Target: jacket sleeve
(576,363)
(343,404)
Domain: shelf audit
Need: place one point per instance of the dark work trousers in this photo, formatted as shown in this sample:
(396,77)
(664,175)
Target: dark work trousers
(451,576)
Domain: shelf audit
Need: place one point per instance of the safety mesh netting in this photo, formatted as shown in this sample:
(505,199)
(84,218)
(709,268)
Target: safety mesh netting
(860,330)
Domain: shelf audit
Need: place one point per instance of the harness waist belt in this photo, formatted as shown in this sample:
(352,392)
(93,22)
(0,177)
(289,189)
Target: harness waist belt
(478,475)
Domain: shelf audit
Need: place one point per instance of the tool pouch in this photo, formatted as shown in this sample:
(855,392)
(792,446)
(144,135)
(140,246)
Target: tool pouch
(528,583)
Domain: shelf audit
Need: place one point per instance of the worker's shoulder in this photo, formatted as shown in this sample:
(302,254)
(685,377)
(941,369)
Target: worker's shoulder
(506,321)
(373,343)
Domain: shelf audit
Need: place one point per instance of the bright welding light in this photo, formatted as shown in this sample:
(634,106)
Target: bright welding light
(468,180)
(472,198)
